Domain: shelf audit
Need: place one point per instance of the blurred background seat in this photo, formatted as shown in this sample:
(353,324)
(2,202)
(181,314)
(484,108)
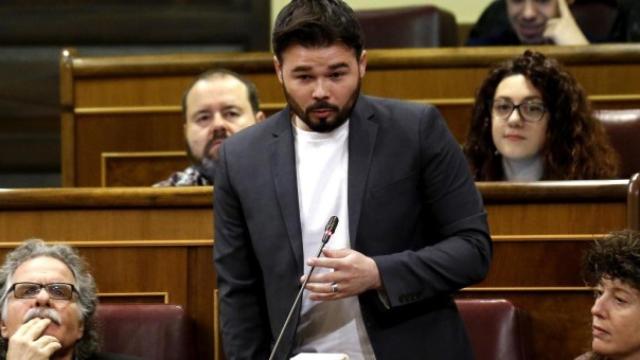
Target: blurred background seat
(596,18)
(623,129)
(149,331)
(498,330)
(408,27)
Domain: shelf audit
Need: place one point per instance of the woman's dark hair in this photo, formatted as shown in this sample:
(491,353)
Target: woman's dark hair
(576,145)
(616,256)
(313,23)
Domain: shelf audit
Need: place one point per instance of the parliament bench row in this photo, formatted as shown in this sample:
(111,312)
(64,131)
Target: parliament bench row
(132,103)
(156,245)
(144,168)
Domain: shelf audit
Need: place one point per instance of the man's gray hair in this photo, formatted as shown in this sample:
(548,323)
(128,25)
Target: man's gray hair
(84,284)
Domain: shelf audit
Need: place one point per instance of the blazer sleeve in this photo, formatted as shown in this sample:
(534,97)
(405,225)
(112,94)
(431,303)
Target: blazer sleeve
(243,315)
(458,251)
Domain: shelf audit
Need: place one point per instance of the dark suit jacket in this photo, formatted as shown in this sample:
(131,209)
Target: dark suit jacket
(413,208)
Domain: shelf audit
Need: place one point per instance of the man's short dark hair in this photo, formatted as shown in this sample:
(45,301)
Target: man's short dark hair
(616,256)
(252,91)
(316,23)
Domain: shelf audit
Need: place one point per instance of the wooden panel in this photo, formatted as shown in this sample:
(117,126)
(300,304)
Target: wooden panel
(541,267)
(98,134)
(556,218)
(131,103)
(140,168)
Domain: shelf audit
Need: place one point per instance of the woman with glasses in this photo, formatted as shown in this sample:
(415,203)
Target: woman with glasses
(532,121)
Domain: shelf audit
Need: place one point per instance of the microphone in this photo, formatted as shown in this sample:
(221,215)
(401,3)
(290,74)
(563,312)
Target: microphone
(332,224)
(329,229)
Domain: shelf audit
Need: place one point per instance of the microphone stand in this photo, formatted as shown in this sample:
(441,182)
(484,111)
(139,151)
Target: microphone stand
(329,229)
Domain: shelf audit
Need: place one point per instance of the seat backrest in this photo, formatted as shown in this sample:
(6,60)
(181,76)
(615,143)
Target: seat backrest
(497,329)
(595,18)
(623,129)
(149,331)
(408,27)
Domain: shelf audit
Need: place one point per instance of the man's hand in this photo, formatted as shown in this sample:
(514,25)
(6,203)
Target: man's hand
(27,343)
(353,273)
(564,30)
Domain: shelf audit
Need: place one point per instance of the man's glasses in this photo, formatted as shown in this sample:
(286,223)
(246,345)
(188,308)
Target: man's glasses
(56,291)
(530,110)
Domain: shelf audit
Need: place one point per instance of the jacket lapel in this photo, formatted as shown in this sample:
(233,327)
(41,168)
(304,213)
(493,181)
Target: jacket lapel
(283,168)
(362,138)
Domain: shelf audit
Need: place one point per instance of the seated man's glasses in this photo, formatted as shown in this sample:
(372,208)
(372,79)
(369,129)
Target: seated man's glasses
(529,110)
(29,290)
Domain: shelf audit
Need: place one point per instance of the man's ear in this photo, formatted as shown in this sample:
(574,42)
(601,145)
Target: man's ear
(3,329)
(80,330)
(362,63)
(260,116)
(278,68)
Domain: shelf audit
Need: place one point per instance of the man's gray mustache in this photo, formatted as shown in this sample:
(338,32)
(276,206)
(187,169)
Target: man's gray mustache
(41,312)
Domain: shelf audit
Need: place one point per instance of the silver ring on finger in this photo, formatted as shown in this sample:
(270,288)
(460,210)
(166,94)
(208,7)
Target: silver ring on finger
(334,287)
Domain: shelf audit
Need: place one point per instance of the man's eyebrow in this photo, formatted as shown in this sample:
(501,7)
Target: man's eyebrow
(305,68)
(231,107)
(301,68)
(200,112)
(338,66)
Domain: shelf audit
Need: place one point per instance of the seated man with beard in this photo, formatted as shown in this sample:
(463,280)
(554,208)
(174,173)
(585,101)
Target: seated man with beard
(217,105)
(48,305)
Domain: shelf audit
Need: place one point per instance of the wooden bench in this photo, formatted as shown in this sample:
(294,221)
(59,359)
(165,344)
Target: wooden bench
(132,103)
(155,245)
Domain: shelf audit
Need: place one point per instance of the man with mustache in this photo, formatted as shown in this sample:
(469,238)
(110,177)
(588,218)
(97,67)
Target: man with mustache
(47,305)
(412,227)
(218,104)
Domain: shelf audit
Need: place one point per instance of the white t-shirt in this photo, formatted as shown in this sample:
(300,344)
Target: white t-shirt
(322,163)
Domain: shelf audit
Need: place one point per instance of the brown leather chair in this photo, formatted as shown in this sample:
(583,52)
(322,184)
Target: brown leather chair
(149,331)
(408,27)
(497,329)
(623,129)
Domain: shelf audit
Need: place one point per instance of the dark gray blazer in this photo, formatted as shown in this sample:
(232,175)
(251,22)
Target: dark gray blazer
(413,208)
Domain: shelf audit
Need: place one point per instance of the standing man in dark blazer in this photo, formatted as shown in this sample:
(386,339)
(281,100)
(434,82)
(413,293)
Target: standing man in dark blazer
(412,227)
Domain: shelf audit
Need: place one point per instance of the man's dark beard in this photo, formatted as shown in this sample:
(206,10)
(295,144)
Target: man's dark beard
(323,125)
(206,166)
(206,152)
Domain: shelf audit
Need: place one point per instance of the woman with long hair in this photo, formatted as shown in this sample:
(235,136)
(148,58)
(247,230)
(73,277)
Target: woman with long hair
(532,121)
